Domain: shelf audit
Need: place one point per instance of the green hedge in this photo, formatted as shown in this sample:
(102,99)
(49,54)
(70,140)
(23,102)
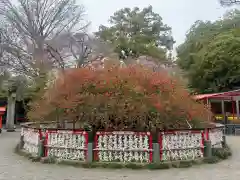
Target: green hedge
(218,155)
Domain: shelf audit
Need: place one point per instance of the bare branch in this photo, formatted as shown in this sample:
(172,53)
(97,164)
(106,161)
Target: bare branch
(58,59)
(229,2)
(28,26)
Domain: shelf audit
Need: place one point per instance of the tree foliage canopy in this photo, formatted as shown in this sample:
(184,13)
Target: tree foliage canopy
(210,54)
(137,32)
(115,98)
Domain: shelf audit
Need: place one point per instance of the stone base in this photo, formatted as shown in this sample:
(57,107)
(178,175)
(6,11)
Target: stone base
(10,130)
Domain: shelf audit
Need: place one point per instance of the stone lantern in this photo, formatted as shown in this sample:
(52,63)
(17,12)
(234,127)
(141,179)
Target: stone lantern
(12,94)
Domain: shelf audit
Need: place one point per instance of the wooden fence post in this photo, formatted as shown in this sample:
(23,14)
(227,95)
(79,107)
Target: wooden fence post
(41,147)
(224,143)
(21,143)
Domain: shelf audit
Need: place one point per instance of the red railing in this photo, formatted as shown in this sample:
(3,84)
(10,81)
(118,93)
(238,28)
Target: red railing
(121,142)
(72,140)
(181,144)
(136,146)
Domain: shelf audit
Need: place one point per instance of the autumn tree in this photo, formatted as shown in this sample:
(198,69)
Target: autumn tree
(135,32)
(120,98)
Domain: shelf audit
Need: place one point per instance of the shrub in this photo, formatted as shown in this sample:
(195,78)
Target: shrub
(115,98)
(222,153)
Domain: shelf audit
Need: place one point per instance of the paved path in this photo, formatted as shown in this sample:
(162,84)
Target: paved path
(13,166)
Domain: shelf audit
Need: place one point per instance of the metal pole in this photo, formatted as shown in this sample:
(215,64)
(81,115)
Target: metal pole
(237,109)
(225,117)
(223,107)
(233,108)
(209,106)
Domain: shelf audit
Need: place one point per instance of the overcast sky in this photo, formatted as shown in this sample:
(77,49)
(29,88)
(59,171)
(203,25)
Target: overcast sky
(179,14)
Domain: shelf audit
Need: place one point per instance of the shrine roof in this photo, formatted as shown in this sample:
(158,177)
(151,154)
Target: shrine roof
(228,94)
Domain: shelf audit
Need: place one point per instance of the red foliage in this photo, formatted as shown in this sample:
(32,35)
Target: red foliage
(121,98)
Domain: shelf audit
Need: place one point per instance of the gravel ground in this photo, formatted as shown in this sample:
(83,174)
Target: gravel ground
(13,166)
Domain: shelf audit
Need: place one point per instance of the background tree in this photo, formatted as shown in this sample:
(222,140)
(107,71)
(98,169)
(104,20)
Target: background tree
(135,32)
(74,48)
(218,68)
(209,54)
(27,28)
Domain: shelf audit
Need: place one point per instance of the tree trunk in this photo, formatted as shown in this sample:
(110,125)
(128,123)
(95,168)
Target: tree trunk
(10,113)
